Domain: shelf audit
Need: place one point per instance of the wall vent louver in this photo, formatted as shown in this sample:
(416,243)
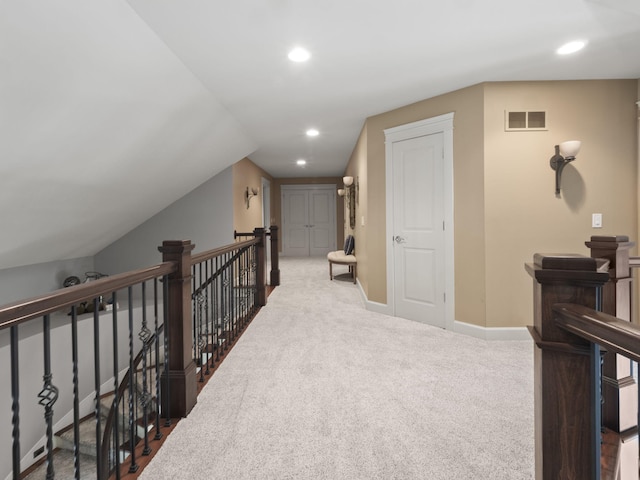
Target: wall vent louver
(525,120)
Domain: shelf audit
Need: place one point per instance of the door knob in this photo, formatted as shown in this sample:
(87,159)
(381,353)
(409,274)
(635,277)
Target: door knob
(399,239)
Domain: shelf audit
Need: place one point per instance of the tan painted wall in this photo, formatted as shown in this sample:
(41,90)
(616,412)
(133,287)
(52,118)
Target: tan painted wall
(276,203)
(522,213)
(505,209)
(357,168)
(248,174)
(467,104)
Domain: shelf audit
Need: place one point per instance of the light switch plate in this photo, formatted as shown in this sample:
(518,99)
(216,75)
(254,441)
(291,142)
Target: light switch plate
(596,220)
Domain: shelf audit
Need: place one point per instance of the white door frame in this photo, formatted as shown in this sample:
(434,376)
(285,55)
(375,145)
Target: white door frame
(266,203)
(440,124)
(266,212)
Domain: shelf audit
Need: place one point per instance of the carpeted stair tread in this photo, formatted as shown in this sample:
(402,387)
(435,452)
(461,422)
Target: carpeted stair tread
(64,467)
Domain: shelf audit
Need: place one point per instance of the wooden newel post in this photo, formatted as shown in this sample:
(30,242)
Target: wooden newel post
(261,277)
(564,422)
(180,380)
(275,265)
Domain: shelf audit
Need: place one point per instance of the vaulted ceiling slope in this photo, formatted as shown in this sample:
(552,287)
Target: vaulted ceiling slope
(112,110)
(102,126)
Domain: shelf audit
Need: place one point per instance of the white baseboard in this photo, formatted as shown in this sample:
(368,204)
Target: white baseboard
(492,333)
(373,306)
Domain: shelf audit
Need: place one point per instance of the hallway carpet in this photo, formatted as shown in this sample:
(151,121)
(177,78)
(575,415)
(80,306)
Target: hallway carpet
(320,388)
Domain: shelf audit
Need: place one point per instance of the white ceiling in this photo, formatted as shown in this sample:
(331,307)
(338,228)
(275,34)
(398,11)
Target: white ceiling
(101,101)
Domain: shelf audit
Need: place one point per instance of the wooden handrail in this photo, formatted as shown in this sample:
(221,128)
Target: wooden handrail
(23,310)
(634,262)
(209,254)
(615,335)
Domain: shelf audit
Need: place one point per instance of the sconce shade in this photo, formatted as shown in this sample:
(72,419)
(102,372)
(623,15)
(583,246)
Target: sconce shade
(348,181)
(341,192)
(570,148)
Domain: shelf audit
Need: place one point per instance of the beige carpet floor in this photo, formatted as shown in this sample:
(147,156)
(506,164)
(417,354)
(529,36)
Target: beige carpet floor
(320,388)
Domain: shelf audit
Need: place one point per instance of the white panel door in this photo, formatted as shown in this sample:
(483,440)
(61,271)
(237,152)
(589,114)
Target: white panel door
(418,225)
(308,215)
(295,210)
(321,222)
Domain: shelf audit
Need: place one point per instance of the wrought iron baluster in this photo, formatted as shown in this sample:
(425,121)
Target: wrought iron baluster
(211,314)
(15,402)
(194,313)
(96,376)
(248,308)
(242,262)
(232,300)
(254,274)
(133,466)
(225,303)
(199,302)
(49,393)
(76,401)
(145,335)
(116,400)
(200,344)
(218,310)
(166,400)
(205,292)
(156,329)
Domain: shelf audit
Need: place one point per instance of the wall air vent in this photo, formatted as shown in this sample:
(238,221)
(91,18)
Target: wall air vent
(519,121)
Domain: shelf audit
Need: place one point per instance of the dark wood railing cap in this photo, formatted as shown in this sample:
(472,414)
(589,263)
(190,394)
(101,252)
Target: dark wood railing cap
(176,246)
(615,335)
(568,268)
(610,238)
(216,252)
(564,261)
(21,311)
(609,243)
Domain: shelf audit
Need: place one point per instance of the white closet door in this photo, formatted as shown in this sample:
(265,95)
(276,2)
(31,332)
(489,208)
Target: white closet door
(309,226)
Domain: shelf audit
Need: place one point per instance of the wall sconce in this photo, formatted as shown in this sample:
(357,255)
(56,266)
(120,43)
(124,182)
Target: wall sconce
(249,194)
(565,152)
(348,192)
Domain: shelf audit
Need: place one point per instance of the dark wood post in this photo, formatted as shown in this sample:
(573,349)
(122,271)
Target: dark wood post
(275,264)
(619,389)
(564,423)
(261,274)
(181,376)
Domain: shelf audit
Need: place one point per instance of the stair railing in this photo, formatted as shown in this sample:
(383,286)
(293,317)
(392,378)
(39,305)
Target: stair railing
(272,236)
(226,284)
(586,399)
(135,409)
(224,295)
(22,318)
(610,450)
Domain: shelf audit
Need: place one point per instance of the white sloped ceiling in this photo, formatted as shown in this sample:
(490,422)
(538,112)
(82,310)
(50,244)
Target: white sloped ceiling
(101,126)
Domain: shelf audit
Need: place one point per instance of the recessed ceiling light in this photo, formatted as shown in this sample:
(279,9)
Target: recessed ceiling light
(312,132)
(571,47)
(301,162)
(299,54)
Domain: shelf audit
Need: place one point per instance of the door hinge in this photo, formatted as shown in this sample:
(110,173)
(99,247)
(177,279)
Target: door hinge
(443,225)
(444,297)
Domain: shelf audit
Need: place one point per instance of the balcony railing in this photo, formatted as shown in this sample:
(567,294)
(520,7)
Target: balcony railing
(586,399)
(128,368)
